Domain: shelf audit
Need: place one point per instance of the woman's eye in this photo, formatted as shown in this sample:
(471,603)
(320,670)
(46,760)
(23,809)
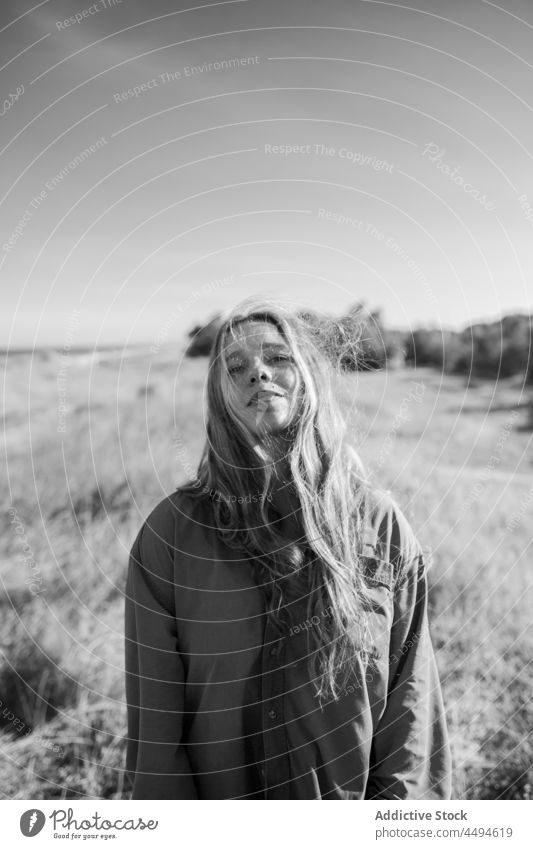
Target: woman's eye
(276,358)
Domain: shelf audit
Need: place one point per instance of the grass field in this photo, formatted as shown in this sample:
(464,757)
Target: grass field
(456,455)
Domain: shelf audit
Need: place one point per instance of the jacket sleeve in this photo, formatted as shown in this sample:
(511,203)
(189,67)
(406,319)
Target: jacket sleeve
(157,764)
(410,755)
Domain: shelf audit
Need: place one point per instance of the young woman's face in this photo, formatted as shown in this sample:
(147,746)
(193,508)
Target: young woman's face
(265,379)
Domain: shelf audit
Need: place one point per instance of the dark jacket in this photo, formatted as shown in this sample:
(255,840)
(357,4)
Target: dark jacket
(221,707)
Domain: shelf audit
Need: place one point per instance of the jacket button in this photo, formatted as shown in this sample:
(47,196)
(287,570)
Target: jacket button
(274,651)
(272,714)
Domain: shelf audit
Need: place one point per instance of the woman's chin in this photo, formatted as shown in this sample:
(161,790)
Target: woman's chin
(271,427)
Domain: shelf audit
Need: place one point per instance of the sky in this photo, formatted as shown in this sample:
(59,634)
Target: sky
(162,161)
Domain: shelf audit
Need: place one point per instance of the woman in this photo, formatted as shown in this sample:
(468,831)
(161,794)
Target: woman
(277,642)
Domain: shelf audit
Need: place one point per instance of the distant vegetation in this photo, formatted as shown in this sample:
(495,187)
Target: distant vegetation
(499,349)
(359,341)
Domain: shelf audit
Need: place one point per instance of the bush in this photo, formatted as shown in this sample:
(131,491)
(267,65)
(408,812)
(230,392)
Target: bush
(497,349)
(202,338)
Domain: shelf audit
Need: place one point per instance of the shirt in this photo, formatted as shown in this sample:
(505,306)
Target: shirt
(221,706)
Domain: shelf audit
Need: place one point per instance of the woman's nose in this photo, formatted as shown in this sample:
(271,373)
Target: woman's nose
(259,372)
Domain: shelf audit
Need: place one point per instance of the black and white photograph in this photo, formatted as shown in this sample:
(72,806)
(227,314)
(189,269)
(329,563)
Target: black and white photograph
(267,387)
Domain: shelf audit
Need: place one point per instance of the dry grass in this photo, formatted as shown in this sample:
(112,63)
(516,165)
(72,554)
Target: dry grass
(456,456)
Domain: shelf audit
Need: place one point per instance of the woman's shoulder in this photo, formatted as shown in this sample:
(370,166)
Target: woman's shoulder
(159,543)
(186,503)
(389,532)
(388,528)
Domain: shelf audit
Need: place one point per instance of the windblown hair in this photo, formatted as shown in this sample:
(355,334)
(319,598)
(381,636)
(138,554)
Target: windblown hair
(328,481)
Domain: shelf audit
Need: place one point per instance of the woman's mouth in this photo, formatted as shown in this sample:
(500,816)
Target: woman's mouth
(263,397)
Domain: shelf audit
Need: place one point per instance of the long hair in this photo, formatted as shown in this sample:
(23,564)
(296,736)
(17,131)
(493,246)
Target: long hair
(328,482)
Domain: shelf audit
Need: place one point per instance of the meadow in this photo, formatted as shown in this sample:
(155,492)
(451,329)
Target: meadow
(91,446)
